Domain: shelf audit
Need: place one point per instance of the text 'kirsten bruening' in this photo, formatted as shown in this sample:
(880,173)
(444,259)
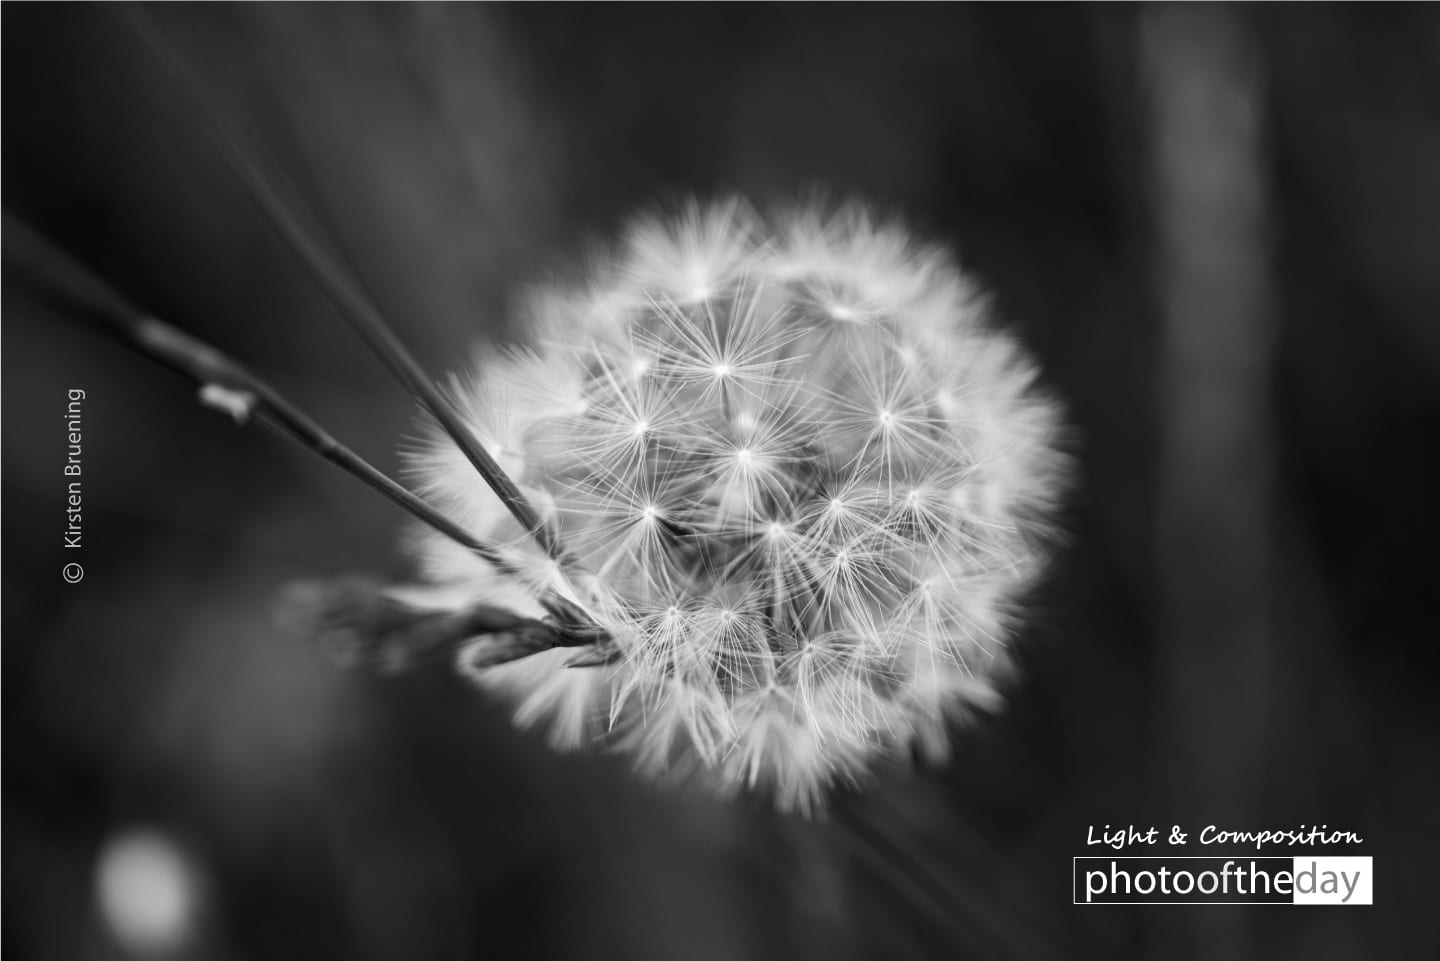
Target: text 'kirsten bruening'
(1197,880)
(74,500)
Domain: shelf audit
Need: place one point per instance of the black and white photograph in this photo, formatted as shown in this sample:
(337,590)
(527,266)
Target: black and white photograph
(720,482)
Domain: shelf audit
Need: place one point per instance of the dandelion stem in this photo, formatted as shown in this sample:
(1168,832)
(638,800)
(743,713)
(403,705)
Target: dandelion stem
(337,279)
(356,620)
(56,276)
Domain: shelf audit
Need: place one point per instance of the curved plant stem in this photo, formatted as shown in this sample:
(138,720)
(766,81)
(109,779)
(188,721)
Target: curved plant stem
(225,384)
(336,278)
(228,386)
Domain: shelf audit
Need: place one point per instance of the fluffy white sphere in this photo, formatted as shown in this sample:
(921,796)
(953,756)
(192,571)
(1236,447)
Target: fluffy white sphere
(806,482)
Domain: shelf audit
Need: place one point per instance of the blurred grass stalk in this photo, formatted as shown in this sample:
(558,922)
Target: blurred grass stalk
(1210,204)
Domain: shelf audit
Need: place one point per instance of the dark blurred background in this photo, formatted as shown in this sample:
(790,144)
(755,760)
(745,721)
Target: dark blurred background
(1216,227)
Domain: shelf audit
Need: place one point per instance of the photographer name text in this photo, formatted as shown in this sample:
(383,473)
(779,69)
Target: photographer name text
(74,499)
(73,470)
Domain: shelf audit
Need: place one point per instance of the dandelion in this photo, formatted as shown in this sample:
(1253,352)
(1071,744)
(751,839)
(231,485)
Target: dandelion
(803,483)
(757,506)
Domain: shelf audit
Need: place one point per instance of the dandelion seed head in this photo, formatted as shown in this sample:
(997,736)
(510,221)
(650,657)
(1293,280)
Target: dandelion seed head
(806,481)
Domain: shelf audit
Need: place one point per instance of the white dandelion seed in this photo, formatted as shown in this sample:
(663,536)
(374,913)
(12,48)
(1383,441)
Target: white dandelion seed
(803,483)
